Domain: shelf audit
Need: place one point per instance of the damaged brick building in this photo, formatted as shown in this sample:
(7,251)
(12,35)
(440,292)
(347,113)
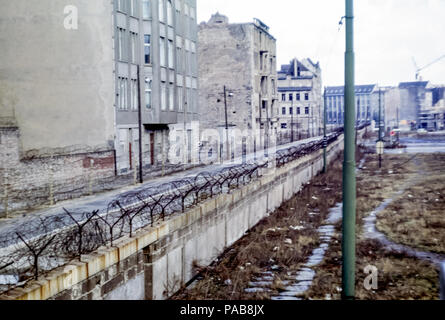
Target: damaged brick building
(238,79)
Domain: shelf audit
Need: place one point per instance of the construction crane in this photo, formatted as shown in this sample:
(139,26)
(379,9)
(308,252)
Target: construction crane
(424,67)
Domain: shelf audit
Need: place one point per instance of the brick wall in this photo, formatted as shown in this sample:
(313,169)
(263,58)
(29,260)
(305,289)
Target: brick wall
(27,183)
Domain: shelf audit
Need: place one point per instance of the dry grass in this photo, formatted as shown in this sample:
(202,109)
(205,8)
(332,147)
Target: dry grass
(417,218)
(267,244)
(400,277)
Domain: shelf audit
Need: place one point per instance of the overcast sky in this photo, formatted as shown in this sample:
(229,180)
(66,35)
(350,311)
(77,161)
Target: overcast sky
(388,34)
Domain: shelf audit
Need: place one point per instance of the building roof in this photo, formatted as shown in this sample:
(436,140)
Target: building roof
(359,89)
(288,69)
(418,84)
(294,89)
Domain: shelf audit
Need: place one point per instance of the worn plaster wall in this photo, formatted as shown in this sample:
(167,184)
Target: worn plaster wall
(58,82)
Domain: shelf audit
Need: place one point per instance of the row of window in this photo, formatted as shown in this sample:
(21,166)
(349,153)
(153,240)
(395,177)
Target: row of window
(165,60)
(291,110)
(338,117)
(165,9)
(290,96)
(338,101)
(128,95)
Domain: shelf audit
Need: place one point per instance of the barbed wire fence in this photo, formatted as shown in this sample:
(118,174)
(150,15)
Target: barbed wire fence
(34,248)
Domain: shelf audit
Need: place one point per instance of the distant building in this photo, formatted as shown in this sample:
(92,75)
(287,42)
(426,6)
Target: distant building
(412,98)
(366,104)
(432,113)
(240,57)
(301,102)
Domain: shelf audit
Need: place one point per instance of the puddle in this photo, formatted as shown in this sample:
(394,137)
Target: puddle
(371,232)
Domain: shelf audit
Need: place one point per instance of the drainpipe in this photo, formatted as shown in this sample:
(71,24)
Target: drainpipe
(349,164)
(141,177)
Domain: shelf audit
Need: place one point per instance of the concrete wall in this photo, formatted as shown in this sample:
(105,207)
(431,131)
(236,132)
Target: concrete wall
(59,83)
(167,253)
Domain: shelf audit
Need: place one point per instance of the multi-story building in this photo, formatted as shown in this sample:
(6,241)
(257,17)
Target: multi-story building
(56,99)
(238,80)
(412,101)
(159,37)
(432,114)
(366,104)
(301,102)
(69,94)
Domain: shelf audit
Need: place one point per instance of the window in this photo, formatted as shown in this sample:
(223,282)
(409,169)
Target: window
(121,53)
(162,52)
(284,126)
(188,99)
(180,99)
(306,110)
(291,110)
(123,93)
(134,50)
(189,62)
(146,12)
(306,96)
(163,96)
(121,5)
(147,49)
(291,97)
(148,93)
(161,11)
(298,97)
(179,60)
(283,97)
(134,95)
(283,111)
(169,13)
(134,8)
(170,54)
(298,110)
(171,97)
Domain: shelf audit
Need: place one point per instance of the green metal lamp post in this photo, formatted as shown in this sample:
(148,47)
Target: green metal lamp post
(349,165)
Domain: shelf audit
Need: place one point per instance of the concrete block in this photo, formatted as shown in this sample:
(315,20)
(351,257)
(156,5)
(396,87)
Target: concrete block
(95,263)
(208,206)
(134,289)
(145,239)
(159,280)
(127,248)
(190,256)
(174,270)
